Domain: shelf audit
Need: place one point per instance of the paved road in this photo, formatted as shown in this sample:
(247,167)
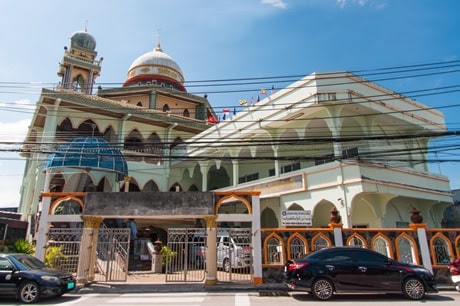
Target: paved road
(450,298)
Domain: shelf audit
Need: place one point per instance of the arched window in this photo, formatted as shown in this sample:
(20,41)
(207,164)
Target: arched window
(442,251)
(78,84)
(67,206)
(273,246)
(88,128)
(166,108)
(320,241)
(186,113)
(193,188)
(151,186)
(405,248)
(381,244)
(297,247)
(268,218)
(139,104)
(357,240)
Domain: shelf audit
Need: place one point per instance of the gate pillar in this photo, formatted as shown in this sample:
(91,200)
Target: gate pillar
(43,228)
(211,250)
(257,239)
(85,271)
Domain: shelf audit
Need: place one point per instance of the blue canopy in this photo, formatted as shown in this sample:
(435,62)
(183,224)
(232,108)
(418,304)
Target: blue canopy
(89,152)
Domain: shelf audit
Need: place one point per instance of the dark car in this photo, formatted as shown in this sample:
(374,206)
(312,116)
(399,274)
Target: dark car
(349,269)
(29,279)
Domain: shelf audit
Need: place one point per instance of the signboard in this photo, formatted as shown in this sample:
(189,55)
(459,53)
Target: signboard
(296,218)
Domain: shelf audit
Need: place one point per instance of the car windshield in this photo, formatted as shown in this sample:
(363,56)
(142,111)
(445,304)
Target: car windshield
(26,262)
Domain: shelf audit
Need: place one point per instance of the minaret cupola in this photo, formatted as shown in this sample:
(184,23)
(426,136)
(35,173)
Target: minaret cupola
(79,67)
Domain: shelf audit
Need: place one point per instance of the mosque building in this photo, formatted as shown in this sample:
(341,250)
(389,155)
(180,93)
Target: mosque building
(330,141)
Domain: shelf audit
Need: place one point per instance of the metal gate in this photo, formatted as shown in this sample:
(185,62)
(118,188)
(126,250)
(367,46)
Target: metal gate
(185,260)
(234,255)
(186,257)
(112,255)
(68,241)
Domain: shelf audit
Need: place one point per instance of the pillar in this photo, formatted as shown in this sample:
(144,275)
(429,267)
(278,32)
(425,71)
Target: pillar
(43,226)
(211,250)
(337,230)
(420,227)
(336,226)
(235,172)
(204,178)
(257,277)
(88,244)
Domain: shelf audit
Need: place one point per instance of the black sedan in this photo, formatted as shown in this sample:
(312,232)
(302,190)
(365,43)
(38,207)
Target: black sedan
(358,270)
(29,279)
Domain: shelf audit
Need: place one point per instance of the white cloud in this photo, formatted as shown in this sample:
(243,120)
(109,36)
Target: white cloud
(14,131)
(275,3)
(377,4)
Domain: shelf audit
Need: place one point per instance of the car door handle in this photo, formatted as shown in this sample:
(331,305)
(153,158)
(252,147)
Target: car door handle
(362,269)
(330,267)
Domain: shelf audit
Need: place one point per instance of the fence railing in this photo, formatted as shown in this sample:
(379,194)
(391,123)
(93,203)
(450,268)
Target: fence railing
(414,245)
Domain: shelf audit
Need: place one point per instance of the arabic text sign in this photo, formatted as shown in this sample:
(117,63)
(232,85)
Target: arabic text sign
(296,218)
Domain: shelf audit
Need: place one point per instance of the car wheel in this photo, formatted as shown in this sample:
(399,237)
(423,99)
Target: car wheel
(413,288)
(226,265)
(29,292)
(322,289)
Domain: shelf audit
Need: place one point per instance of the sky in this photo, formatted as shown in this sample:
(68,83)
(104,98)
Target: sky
(221,40)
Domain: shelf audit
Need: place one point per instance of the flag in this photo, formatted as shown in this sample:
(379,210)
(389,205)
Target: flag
(226,112)
(263,91)
(252,101)
(234,111)
(273,89)
(243,102)
(258,99)
(212,119)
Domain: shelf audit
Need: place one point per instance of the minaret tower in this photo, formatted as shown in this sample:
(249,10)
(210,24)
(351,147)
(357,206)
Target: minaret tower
(79,67)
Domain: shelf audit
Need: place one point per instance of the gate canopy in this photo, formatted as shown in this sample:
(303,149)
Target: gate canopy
(150,205)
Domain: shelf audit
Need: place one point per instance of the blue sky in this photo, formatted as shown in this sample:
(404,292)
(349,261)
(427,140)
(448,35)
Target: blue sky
(223,39)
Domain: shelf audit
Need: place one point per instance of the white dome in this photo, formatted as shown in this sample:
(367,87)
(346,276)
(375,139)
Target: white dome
(155,66)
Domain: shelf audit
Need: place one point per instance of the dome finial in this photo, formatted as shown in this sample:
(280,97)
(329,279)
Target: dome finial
(86,26)
(158,47)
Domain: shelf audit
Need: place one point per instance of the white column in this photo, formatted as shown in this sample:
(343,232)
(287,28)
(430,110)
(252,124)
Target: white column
(211,250)
(424,247)
(235,172)
(338,241)
(277,162)
(42,232)
(204,177)
(257,277)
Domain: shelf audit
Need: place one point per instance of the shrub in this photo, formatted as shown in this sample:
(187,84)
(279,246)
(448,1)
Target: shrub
(167,255)
(23,246)
(54,256)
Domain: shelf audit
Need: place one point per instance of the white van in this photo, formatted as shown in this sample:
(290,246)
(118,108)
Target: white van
(233,251)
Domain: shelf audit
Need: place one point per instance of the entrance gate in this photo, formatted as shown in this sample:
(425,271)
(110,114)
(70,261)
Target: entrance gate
(68,241)
(112,252)
(234,254)
(186,256)
(112,255)
(185,260)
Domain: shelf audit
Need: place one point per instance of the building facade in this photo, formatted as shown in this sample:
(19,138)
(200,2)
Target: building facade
(330,141)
